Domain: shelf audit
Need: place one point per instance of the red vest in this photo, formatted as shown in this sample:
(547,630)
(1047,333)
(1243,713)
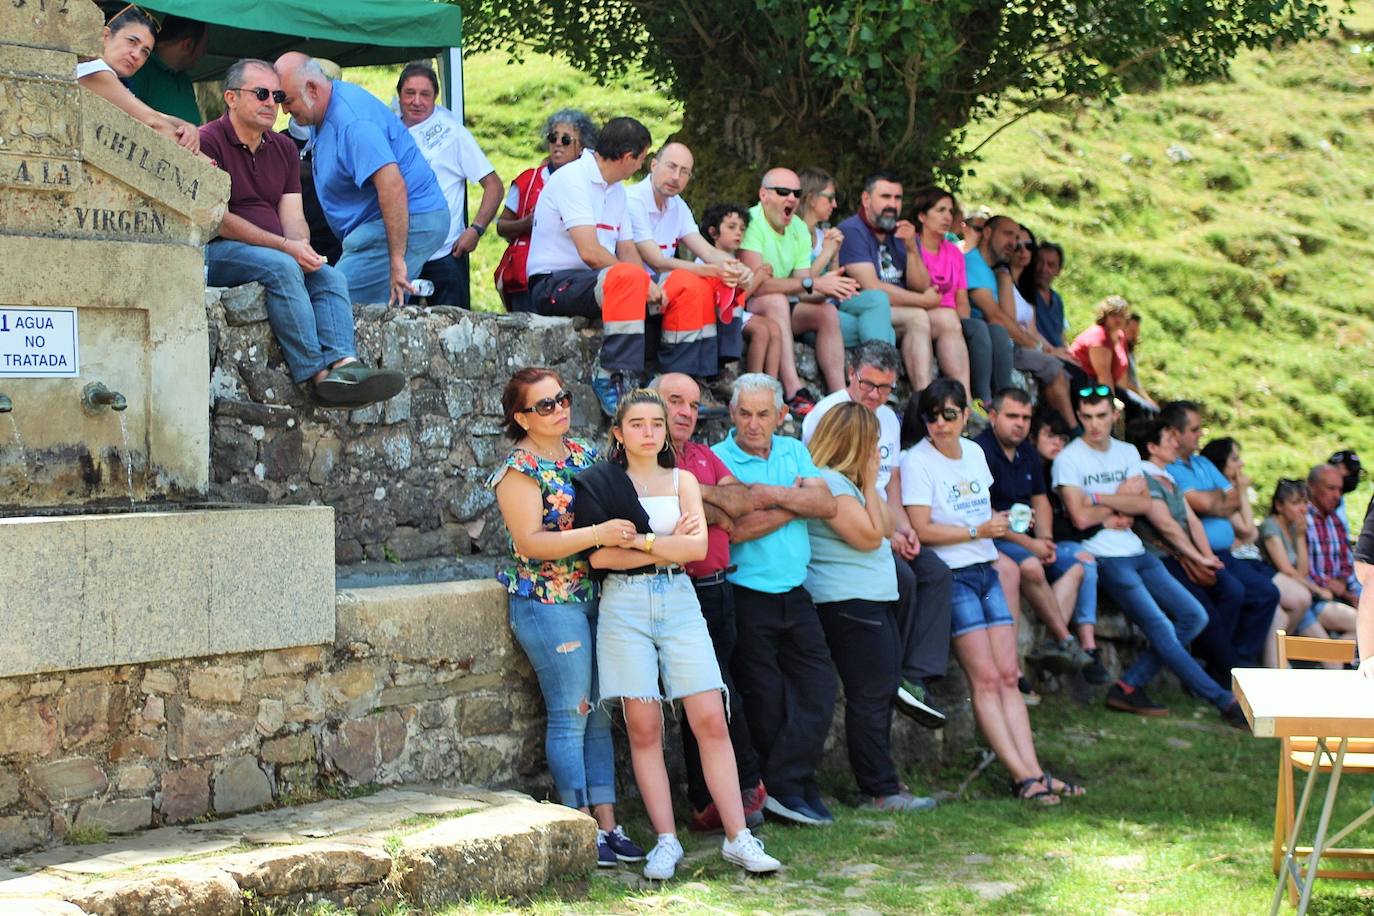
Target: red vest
(510,272)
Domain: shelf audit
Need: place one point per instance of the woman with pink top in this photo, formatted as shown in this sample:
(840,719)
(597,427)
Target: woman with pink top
(934,209)
(1101,351)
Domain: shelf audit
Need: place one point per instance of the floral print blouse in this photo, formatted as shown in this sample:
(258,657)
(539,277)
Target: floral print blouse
(550,581)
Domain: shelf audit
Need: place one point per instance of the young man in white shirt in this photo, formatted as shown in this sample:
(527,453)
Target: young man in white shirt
(1102,486)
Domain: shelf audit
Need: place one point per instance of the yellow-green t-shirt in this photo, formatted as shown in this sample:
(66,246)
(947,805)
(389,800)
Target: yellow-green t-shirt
(785,252)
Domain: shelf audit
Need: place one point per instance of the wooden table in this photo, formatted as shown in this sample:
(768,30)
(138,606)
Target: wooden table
(1292,702)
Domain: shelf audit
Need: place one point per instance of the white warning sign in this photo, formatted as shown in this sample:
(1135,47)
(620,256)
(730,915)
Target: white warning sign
(38,343)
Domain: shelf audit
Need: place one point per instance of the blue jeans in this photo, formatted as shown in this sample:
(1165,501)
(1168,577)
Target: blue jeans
(309,312)
(1085,606)
(866,316)
(1150,597)
(560,642)
(366,261)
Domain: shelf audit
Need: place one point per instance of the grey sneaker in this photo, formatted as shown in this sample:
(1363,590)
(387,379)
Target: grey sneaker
(902,801)
(663,859)
(1082,659)
(1053,656)
(746,851)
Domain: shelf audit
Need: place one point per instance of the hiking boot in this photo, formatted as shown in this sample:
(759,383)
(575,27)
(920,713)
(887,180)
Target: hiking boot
(663,858)
(354,385)
(793,809)
(1028,694)
(913,700)
(707,820)
(1054,656)
(625,849)
(903,801)
(746,851)
(1096,673)
(1135,701)
(753,800)
(1234,716)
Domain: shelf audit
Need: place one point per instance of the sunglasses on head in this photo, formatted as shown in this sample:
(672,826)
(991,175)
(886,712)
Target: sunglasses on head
(784,192)
(157,23)
(546,406)
(1099,390)
(260,93)
(555,137)
(948,414)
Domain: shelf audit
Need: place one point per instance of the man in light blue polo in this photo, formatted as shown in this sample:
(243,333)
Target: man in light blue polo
(782,663)
(377,191)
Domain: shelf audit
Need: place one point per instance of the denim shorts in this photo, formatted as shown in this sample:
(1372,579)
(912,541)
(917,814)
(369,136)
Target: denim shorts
(976,601)
(650,627)
(1064,556)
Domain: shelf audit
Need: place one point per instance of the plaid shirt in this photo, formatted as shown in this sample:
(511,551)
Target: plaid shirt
(1328,547)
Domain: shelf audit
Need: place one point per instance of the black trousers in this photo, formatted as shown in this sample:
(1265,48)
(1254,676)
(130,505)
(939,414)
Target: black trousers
(863,643)
(450,278)
(718,608)
(924,585)
(1240,609)
(783,671)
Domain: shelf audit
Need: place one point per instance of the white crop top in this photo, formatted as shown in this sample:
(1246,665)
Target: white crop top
(663,511)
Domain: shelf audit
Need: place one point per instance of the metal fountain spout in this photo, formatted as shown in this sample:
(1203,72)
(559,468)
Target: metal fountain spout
(6,405)
(95,396)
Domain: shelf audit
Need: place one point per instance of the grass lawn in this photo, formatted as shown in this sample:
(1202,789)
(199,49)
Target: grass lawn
(1177,819)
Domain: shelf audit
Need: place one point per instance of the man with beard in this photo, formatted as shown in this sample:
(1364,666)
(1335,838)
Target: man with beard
(880,252)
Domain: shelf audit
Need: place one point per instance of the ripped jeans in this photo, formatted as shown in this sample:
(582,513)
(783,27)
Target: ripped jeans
(560,642)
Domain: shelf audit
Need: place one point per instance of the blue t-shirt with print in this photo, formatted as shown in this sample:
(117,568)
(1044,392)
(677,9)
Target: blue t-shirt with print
(979,276)
(861,246)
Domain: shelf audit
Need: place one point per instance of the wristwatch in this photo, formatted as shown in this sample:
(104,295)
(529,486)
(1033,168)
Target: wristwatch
(649,542)
(972,533)
(478,228)
(808,284)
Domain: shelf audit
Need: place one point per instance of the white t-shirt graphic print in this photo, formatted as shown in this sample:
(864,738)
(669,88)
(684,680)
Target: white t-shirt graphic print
(958,493)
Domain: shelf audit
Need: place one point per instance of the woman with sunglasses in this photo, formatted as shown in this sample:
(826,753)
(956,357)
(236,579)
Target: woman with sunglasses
(126,43)
(650,629)
(567,132)
(553,603)
(1032,353)
(1284,538)
(816,207)
(945,488)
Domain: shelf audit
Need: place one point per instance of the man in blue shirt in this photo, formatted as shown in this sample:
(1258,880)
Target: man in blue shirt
(1230,640)
(782,662)
(377,191)
(989,342)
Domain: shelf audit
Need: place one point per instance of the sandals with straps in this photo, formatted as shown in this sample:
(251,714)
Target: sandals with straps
(1033,790)
(1065,788)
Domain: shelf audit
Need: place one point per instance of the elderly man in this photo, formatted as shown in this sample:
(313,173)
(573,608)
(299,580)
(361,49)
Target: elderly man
(699,331)
(724,499)
(782,662)
(880,251)
(264,238)
(1329,563)
(162,83)
(924,582)
(776,238)
(456,159)
(378,193)
(583,260)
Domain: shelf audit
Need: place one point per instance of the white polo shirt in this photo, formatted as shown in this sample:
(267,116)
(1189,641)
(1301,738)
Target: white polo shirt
(667,227)
(576,195)
(456,159)
(889,433)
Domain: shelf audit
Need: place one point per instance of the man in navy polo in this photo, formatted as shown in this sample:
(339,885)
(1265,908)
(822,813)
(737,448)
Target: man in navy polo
(265,239)
(377,191)
(1053,577)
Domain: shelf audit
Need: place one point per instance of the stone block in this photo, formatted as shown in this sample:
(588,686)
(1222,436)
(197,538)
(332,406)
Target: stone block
(358,747)
(154,710)
(185,794)
(349,684)
(446,621)
(43,906)
(29,729)
(244,304)
(217,685)
(288,690)
(116,815)
(86,714)
(271,416)
(240,784)
(136,780)
(170,890)
(9,787)
(65,780)
(18,833)
(479,715)
(506,851)
(159,680)
(289,749)
(293,660)
(271,716)
(151,747)
(196,732)
(285,870)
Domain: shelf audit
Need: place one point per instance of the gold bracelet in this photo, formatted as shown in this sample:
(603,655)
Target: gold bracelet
(596,534)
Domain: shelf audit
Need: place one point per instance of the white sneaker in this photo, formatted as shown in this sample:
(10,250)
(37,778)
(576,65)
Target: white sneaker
(663,858)
(746,851)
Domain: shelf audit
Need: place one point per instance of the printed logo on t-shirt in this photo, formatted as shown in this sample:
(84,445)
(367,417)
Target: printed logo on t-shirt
(1104,477)
(965,495)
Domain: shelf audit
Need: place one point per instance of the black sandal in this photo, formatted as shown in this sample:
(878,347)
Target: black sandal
(1069,790)
(1044,796)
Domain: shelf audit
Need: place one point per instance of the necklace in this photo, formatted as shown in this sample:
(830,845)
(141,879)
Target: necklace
(534,449)
(641,488)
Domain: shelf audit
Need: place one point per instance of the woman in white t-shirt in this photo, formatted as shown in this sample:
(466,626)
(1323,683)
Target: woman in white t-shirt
(945,488)
(126,43)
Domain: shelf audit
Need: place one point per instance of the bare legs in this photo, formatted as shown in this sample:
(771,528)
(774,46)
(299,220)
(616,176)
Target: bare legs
(988,658)
(913,330)
(947,334)
(824,319)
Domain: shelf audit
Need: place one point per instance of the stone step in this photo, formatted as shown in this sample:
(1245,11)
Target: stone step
(424,846)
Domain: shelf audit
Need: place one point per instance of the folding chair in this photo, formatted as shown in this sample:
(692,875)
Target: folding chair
(1303,754)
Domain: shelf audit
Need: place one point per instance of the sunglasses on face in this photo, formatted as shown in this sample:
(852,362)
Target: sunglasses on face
(563,139)
(976,227)
(1023,245)
(948,414)
(1099,390)
(261,94)
(546,406)
(784,192)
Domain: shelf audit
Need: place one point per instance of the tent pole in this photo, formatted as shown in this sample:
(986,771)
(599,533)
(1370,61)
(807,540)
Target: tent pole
(451,74)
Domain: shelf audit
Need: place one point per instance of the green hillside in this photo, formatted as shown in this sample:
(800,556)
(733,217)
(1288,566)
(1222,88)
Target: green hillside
(1251,257)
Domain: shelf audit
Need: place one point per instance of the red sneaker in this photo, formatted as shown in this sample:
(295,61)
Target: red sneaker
(753,802)
(707,820)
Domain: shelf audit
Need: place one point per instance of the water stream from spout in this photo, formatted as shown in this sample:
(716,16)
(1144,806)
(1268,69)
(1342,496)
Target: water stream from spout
(128,456)
(19,445)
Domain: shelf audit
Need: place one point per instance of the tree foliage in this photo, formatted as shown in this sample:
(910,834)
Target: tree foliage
(852,85)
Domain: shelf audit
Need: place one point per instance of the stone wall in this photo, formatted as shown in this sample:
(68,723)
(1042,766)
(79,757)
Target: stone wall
(421,683)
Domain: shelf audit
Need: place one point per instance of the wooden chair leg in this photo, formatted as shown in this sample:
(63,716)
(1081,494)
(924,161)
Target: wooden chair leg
(1281,822)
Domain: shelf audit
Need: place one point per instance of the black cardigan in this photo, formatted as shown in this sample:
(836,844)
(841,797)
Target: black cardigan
(602,492)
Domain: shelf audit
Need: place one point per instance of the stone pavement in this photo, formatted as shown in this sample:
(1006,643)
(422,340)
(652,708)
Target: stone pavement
(420,845)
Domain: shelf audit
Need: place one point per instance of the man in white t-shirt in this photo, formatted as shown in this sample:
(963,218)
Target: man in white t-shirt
(699,331)
(583,260)
(1103,489)
(456,159)
(923,580)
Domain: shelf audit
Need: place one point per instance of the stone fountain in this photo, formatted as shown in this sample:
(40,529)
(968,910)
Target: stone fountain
(104,369)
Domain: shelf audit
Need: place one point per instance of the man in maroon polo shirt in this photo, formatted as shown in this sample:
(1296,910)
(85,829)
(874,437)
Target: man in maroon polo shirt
(723,498)
(265,239)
